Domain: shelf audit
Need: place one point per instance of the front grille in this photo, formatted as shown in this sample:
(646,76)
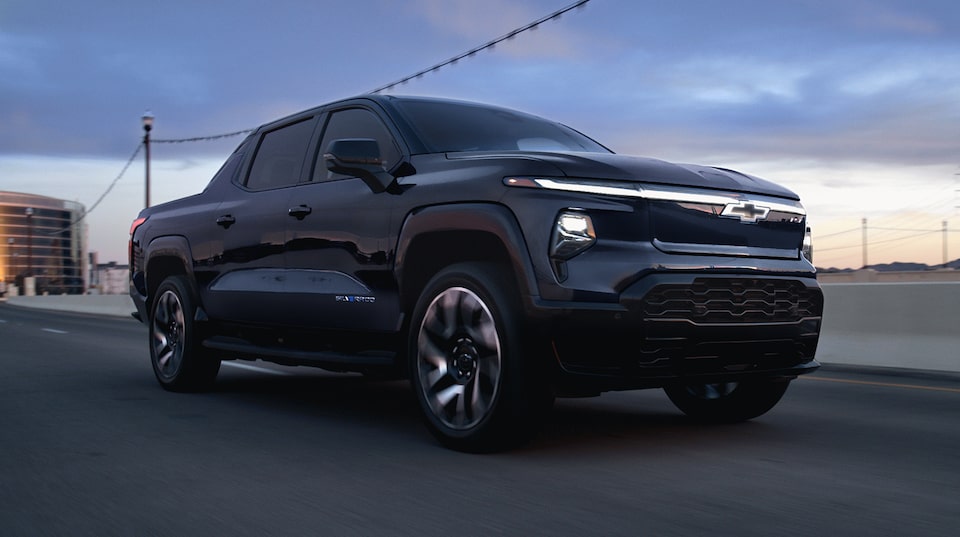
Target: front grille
(733,300)
(690,224)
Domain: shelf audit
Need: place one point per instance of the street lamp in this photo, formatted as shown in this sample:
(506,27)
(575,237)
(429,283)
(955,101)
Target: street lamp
(147,125)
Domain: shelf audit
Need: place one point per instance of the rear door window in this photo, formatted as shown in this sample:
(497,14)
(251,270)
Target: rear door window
(280,156)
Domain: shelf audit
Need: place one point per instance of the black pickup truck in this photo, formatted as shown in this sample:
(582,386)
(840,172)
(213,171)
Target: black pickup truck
(495,258)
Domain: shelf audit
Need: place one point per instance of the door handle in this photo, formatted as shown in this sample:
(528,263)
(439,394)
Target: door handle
(300,212)
(226,221)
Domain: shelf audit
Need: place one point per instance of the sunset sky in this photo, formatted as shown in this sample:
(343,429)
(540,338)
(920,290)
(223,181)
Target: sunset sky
(853,104)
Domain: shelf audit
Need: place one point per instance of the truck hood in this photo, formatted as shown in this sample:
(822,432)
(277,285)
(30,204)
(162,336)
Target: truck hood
(609,166)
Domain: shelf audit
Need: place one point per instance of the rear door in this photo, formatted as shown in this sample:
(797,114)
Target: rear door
(252,279)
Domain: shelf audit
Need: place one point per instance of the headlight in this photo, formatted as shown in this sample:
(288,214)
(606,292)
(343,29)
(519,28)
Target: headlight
(807,248)
(572,233)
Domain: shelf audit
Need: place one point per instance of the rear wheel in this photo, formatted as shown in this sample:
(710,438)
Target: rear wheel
(727,402)
(474,375)
(179,362)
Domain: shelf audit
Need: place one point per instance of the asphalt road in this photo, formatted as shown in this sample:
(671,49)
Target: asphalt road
(91,445)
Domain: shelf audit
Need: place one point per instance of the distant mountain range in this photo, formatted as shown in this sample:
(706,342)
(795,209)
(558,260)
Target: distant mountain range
(896,267)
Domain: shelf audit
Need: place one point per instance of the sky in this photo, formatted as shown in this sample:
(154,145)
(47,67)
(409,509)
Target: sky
(853,104)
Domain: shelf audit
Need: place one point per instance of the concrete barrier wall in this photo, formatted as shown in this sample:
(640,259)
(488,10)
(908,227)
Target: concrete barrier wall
(909,325)
(903,325)
(873,276)
(115,305)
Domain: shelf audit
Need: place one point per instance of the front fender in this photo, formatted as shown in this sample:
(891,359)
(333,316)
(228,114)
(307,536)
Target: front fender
(488,218)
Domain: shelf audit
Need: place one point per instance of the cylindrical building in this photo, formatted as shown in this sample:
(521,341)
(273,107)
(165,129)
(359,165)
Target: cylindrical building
(43,238)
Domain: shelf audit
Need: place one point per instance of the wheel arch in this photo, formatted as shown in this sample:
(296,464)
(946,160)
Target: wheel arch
(166,256)
(438,236)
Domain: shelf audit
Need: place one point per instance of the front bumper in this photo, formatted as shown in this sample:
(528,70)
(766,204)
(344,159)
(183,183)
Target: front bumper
(689,327)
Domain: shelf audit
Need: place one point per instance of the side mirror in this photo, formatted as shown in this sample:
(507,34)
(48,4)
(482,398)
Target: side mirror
(358,157)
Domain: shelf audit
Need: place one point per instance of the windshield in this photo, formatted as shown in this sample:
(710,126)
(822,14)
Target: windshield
(452,126)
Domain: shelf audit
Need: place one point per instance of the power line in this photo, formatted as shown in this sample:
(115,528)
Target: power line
(488,45)
(914,214)
(909,230)
(105,192)
(919,233)
(821,237)
(133,157)
(928,232)
(200,138)
(902,230)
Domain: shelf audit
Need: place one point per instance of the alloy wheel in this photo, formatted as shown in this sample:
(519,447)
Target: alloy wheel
(167,334)
(459,360)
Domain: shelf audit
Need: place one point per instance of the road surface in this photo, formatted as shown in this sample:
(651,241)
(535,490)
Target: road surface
(91,445)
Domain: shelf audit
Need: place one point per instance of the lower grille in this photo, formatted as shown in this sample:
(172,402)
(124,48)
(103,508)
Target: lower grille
(733,300)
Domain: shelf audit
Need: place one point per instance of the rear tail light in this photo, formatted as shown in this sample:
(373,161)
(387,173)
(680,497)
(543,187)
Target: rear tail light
(136,223)
(133,228)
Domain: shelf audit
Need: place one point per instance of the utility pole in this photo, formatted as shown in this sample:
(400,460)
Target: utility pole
(864,243)
(944,244)
(147,120)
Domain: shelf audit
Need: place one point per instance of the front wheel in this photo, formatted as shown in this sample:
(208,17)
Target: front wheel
(179,362)
(727,402)
(474,375)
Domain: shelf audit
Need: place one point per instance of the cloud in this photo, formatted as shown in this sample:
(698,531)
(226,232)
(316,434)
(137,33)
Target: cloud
(874,15)
(735,79)
(19,60)
(913,136)
(807,85)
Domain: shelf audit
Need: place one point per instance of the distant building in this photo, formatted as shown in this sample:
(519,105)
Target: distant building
(109,278)
(42,237)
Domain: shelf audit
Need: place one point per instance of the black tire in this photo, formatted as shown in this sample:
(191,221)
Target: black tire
(480,385)
(179,362)
(727,402)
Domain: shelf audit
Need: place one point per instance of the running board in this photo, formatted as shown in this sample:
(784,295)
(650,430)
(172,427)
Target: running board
(299,357)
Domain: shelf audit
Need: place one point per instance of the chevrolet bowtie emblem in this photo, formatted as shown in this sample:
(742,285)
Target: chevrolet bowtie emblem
(746,212)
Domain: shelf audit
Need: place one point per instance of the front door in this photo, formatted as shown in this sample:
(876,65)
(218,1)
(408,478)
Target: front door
(338,250)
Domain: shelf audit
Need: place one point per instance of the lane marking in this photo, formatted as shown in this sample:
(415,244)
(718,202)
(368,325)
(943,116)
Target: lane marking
(885,384)
(256,369)
(2,321)
(54,331)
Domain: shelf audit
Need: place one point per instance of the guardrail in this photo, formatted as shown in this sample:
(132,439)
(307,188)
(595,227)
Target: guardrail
(905,325)
(912,325)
